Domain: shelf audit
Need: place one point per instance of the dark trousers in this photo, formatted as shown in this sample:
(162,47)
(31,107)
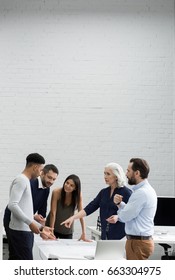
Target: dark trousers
(22,244)
(63,236)
(6,221)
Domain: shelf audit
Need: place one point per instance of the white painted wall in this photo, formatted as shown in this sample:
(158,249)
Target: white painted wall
(85,83)
(1,234)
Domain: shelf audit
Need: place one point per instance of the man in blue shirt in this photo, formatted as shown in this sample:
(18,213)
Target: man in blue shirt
(138,214)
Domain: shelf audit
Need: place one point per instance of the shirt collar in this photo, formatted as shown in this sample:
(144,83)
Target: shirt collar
(139,185)
(40,185)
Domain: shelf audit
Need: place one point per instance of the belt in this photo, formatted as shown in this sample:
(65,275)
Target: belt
(138,237)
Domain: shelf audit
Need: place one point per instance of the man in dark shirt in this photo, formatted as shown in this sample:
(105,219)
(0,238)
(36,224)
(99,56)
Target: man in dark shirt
(40,189)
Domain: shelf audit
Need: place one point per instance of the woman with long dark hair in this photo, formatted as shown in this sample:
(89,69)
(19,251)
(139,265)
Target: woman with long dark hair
(64,202)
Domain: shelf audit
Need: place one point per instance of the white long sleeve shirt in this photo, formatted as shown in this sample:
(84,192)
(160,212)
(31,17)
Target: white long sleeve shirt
(20,204)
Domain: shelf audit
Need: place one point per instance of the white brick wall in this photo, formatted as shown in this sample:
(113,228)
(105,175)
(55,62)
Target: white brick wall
(85,83)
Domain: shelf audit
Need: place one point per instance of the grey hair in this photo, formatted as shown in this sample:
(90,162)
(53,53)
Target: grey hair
(118,172)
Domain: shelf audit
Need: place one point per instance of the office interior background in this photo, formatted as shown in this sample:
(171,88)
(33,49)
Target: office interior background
(85,83)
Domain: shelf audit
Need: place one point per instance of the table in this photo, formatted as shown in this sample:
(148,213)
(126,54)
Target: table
(62,249)
(74,249)
(161,234)
(95,233)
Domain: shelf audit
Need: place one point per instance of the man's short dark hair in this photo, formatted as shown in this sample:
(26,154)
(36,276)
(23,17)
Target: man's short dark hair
(141,165)
(35,158)
(49,167)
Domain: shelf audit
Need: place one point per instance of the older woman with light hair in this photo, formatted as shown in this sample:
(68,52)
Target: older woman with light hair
(115,179)
(118,172)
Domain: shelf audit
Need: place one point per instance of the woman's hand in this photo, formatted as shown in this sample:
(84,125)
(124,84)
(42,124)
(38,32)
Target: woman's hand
(67,223)
(83,238)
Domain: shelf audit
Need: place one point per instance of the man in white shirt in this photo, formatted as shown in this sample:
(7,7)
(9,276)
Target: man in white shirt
(40,188)
(22,226)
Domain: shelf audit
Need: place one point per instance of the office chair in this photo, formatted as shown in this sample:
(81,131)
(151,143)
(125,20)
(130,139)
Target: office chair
(98,227)
(167,256)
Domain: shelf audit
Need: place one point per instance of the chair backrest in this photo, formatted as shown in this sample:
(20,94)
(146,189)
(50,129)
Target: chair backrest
(110,250)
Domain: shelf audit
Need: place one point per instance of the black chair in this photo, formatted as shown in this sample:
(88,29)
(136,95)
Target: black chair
(98,227)
(167,256)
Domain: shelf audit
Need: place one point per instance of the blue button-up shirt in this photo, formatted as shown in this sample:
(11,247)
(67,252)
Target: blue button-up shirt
(138,214)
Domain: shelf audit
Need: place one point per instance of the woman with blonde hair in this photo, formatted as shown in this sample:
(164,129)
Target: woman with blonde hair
(115,179)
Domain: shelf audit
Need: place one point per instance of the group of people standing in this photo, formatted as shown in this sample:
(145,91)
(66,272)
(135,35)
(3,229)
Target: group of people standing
(123,210)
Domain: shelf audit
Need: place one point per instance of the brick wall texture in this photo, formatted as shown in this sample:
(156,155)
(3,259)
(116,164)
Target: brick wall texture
(85,83)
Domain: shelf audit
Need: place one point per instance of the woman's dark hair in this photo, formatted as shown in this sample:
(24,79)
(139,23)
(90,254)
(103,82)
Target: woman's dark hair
(75,193)
(141,165)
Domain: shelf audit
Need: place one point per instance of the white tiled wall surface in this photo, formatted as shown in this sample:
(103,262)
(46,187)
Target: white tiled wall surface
(85,83)
(1,234)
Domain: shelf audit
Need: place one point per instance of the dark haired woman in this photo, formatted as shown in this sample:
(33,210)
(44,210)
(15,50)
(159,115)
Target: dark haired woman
(64,202)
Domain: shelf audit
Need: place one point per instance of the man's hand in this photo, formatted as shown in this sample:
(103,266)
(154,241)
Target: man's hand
(40,219)
(118,199)
(47,233)
(34,228)
(113,219)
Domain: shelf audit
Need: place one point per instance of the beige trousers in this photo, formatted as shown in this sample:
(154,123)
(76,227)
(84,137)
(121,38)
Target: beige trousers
(139,249)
